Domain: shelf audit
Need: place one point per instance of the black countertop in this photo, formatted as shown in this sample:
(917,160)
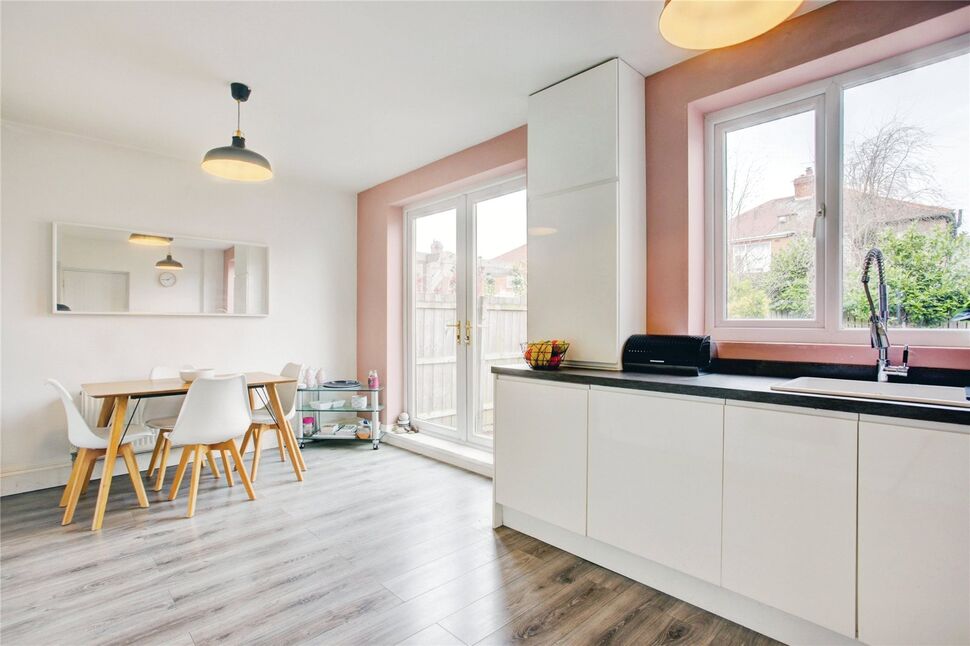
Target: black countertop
(740,388)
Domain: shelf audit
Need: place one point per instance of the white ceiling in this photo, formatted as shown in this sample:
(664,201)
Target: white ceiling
(347,94)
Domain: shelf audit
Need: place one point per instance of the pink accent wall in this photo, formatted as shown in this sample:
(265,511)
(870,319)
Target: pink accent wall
(836,38)
(826,41)
(380,250)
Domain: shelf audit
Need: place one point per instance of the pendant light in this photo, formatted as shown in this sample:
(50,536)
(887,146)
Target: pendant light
(235,161)
(168,262)
(149,240)
(710,24)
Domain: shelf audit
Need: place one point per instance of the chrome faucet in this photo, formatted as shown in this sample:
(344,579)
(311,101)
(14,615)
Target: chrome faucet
(878,320)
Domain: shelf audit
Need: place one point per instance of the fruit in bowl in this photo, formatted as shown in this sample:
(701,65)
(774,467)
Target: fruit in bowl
(545,355)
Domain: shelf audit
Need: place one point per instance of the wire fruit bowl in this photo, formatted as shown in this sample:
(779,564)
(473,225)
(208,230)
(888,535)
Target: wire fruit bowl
(545,355)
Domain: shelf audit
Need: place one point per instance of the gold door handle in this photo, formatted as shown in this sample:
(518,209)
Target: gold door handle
(468,332)
(457,326)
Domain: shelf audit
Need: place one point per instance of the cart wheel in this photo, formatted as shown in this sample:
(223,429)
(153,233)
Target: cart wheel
(377,446)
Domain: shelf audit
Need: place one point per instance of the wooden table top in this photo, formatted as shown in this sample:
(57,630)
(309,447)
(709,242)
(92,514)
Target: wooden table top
(160,387)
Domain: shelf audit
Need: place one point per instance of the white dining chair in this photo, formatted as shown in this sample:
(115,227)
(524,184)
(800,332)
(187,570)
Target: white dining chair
(263,419)
(92,444)
(160,414)
(215,412)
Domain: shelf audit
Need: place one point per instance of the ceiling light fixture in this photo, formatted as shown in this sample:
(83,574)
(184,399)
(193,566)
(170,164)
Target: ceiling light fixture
(168,262)
(149,240)
(235,161)
(710,24)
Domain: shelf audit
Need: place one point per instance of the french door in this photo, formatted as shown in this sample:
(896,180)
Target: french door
(466,282)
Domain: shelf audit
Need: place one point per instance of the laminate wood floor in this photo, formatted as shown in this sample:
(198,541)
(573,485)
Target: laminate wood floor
(375,547)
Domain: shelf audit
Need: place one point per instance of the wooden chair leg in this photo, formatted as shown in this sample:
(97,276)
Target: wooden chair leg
(86,483)
(241,467)
(257,451)
(197,463)
(280,444)
(76,469)
(81,464)
(131,462)
(226,467)
(213,466)
(249,433)
(183,462)
(248,436)
(156,453)
(163,464)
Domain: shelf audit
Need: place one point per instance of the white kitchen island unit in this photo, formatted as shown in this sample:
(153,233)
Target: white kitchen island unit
(810,525)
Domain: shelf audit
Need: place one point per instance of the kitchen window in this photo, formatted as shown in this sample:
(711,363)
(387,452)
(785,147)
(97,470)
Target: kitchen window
(801,184)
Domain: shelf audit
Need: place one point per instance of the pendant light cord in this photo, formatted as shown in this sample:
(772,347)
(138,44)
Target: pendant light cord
(238,113)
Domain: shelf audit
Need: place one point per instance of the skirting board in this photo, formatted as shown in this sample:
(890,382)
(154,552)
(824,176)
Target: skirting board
(55,475)
(440,450)
(724,603)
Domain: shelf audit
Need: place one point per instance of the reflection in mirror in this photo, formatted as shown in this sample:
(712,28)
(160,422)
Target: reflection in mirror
(113,271)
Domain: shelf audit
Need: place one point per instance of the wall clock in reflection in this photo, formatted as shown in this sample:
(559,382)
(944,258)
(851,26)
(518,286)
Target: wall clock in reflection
(166,279)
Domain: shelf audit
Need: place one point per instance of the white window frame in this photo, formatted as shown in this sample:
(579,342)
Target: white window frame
(721,259)
(826,96)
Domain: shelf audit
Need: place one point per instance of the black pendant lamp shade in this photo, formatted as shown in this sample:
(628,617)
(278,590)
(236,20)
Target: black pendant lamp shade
(168,263)
(236,162)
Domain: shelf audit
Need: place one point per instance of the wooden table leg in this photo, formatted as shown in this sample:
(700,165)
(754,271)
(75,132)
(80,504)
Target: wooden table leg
(290,434)
(107,406)
(291,447)
(131,462)
(114,440)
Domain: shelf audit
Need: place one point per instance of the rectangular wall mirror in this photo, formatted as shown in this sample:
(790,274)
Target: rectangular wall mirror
(100,270)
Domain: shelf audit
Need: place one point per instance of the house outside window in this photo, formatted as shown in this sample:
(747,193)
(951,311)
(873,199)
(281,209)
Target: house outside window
(802,184)
(751,257)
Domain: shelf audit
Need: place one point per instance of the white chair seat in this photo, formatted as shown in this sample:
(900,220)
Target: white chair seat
(263,416)
(100,441)
(162,423)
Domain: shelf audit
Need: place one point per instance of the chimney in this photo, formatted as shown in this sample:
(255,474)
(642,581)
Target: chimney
(805,184)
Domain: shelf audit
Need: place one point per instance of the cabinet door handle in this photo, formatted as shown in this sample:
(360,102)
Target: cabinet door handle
(457,326)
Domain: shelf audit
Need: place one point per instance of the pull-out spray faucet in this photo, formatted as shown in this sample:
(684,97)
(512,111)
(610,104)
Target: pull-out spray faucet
(879,319)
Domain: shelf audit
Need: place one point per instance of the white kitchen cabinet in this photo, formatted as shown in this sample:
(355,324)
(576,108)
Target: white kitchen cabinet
(540,450)
(789,511)
(655,477)
(914,534)
(573,131)
(578,301)
(586,223)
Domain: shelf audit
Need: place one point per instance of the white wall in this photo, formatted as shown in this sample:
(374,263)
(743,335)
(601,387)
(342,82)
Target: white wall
(48,176)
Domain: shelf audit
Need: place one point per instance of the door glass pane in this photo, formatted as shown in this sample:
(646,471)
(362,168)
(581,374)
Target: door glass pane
(769,208)
(906,190)
(434,290)
(500,296)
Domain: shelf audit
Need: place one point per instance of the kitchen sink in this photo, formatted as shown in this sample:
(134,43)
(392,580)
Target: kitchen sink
(917,393)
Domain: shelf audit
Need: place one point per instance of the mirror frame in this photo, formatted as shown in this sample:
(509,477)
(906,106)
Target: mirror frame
(53,295)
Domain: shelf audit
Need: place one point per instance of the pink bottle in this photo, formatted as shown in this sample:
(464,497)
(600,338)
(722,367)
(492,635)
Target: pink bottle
(373,381)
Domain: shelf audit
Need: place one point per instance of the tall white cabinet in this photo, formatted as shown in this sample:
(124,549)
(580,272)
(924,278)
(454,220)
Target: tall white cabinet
(587,218)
